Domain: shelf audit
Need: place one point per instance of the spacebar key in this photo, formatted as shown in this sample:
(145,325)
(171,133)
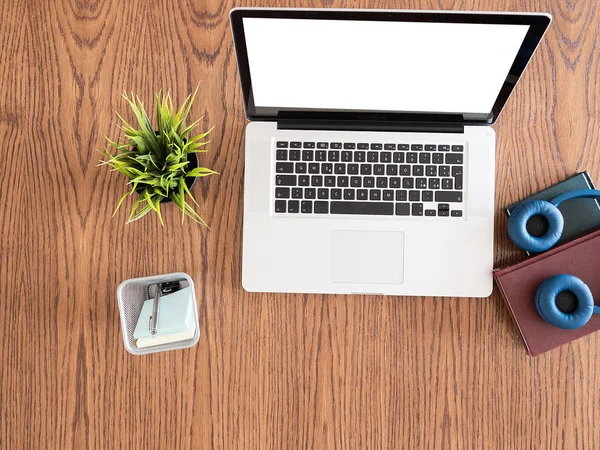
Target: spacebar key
(367,208)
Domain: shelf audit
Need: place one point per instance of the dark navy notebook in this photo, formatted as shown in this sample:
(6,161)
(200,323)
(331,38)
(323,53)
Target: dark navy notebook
(581,215)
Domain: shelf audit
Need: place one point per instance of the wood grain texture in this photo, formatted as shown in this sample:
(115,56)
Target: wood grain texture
(270,371)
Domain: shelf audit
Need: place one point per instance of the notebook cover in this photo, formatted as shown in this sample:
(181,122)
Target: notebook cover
(581,215)
(175,314)
(518,285)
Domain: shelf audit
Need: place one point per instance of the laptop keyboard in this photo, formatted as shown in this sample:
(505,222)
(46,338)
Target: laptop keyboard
(381,179)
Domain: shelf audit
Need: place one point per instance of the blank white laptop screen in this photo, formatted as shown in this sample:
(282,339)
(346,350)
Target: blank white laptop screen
(379,66)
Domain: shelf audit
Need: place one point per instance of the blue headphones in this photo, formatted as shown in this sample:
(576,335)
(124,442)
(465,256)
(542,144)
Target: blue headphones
(546,295)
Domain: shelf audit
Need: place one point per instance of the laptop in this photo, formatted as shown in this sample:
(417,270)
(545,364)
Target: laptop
(369,152)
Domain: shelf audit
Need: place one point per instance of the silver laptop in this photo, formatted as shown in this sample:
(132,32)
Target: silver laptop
(369,165)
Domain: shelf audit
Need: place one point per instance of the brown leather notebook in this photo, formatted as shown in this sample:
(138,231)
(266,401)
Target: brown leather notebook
(518,285)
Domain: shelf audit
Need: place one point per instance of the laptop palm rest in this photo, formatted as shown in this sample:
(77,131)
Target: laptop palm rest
(369,257)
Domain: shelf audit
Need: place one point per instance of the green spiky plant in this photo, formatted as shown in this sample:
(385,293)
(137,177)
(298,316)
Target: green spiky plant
(155,160)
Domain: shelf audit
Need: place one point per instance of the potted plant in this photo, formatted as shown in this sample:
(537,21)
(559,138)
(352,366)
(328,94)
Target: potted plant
(160,163)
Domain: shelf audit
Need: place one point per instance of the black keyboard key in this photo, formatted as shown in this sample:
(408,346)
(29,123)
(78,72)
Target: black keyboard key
(437,158)
(401,196)
(310,193)
(333,155)
(322,144)
(421,183)
(284,167)
(402,146)
(458,182)
(282,192)
(398,157)
(411,157)
(308,155)
(427,196)
(424,158)
(443,213)
(378,169)
(457,148)
(313,168)
(356,181)
(395,182)
(369,182)
(431,171)
(285,180)
(282,144)
(385,157)
(349,145)
(323,193)
(360,156)
(303,180)
(375,194)
(352,169)
(404,170)
(389,146)
(301,167)
(373,157)
(434,183)
(391,170)
(430,147)
(321,207)
(448,196)
(297,193)
(414,196)
(316,180)
(336,145)
(403,209)
(443,148)
(447,184)
(417,209)
(348,194)
(321,155)
(347,156)
(456,213)
(430,212)
(281,155)
(417,147)
(382,182)
(280,206)
(309,145)
(326,168)
(443,206)
(295,144)
(365,169)
(363,146)
(456,171)
(444,171)
(376,146)
(388,195)
(454,158)
(330,181)
(306,207)
(343,181)
(366,208)
(340,169)
(408,183)
(417,171)
(295,155)
(362,194)
(293,206)
(336,194)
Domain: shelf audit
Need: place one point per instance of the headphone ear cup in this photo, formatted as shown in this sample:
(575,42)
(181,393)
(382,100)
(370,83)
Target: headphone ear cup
(545,302)
(517,226)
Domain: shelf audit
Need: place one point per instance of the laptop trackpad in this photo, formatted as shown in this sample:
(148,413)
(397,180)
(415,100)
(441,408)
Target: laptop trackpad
(369,257)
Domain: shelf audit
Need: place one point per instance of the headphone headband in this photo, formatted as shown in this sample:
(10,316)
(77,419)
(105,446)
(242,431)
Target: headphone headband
(579,193)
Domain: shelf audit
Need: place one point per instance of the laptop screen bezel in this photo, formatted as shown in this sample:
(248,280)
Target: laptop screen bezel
(538,24)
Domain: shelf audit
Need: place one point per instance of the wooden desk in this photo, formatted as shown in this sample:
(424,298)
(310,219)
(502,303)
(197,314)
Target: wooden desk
(270,371)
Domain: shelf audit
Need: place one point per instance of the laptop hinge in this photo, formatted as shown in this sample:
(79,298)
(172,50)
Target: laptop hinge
(351,125)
